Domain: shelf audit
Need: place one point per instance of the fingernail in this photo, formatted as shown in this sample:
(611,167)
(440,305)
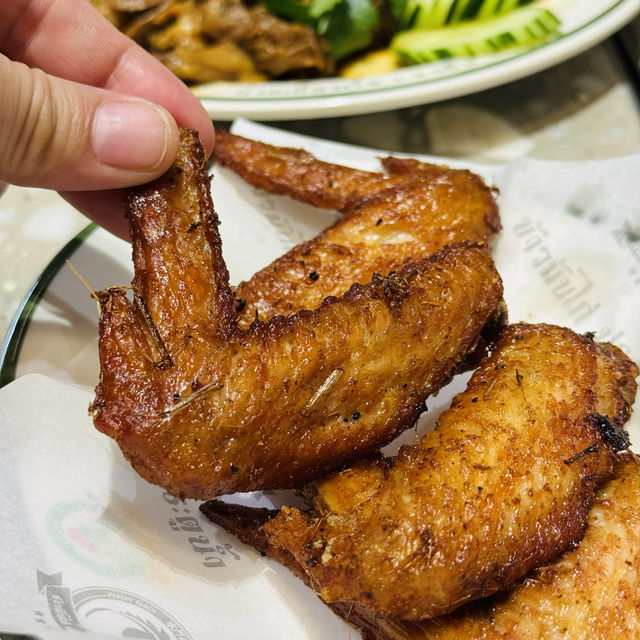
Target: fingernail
(130,135)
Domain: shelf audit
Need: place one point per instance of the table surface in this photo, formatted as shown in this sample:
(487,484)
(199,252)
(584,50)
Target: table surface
(585,108)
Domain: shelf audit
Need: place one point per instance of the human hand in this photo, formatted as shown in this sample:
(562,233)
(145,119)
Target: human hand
(85,110)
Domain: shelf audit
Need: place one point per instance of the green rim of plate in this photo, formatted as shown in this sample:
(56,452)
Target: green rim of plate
(19,325)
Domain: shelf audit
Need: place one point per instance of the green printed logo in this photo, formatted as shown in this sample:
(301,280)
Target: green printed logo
(76,527)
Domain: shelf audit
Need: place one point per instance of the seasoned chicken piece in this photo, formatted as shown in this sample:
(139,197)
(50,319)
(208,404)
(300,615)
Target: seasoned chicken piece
(502,486)
(390,219)
(202,407)
(591,593)
(211,40)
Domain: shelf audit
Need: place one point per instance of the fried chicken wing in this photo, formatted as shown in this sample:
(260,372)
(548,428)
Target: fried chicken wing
(591,593)
(502,485)
(203,407)
(403,215)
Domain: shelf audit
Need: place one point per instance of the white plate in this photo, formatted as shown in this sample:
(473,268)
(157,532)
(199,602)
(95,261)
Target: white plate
(584,24)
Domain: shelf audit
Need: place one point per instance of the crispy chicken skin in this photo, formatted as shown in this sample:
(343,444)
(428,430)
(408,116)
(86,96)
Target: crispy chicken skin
(203,407)
(501,486)
(410,211)
(590,593)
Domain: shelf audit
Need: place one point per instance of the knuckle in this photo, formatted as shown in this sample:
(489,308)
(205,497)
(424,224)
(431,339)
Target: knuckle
(36,122)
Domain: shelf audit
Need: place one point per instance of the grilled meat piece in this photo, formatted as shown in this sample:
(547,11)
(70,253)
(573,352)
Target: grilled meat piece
(277,46)
(211,40)
(410,211)
(502,486)
(203,407)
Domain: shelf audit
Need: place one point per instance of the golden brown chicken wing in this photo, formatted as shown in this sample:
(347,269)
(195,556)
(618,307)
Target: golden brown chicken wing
(501,486)
(403,215)
(202,407)
(591,593)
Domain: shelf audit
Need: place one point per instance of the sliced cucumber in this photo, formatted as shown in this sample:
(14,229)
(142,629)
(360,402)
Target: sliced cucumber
(522,27)
(491,8)
(433,14)
(429,14)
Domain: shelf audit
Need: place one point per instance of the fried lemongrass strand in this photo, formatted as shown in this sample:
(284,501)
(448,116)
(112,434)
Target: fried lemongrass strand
(82,279)
(184,401)
(331,379)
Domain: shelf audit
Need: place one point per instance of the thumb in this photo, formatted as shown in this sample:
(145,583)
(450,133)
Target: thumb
(62,135)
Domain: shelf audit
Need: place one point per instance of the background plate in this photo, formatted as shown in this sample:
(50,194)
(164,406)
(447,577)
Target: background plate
(584,24)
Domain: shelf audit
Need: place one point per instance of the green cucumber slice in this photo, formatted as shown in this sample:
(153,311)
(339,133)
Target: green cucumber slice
(522,27)
(469,10)
(433,14)
(493,8)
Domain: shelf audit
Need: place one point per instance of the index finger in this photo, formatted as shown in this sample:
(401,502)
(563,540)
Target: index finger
(70,39)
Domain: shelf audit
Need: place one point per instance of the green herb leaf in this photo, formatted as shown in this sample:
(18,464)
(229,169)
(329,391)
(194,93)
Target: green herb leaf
(347,25)
(350,27)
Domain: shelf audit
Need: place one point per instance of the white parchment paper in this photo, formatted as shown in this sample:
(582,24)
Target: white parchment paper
(91,550)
